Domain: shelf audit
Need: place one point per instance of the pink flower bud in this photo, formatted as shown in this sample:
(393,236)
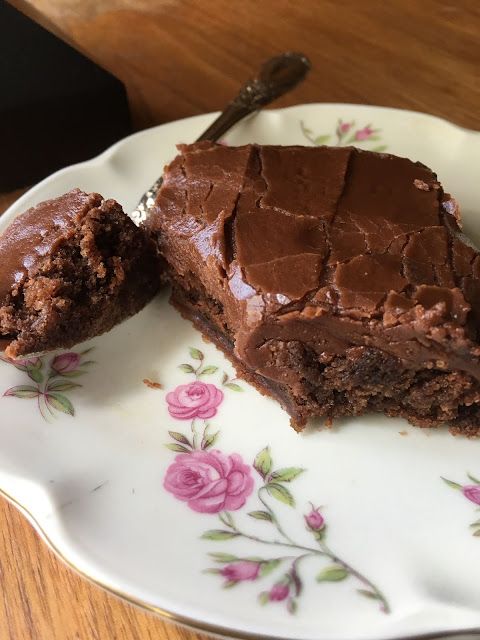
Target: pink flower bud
(472,492)
(315,521)
(65,362)
(344,127)
(241,570)
(29,363)
(279,592)
(364,134)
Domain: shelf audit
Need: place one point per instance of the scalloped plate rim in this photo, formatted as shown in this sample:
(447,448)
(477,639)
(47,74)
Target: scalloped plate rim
(106,157)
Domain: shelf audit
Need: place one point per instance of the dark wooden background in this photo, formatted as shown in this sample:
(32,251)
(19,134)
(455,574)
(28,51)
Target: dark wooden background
(183,57)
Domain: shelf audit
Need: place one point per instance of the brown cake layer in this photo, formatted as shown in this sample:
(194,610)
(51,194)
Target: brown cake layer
(337,280)
(70,269)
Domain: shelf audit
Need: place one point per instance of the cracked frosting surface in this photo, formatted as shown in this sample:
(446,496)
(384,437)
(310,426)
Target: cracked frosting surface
(333,246)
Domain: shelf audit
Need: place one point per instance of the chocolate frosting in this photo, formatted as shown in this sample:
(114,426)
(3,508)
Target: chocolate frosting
(331,246)
(35,233)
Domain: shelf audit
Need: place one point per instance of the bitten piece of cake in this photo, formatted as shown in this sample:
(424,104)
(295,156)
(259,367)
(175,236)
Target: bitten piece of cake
(336,280)
(70,269)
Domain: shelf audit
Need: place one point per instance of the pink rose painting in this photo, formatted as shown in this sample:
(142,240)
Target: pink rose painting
(210,481)
(194,400)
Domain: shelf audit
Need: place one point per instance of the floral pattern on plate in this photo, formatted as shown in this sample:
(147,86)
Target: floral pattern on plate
(346,133)
(213,482)
(470,492)
(50,380)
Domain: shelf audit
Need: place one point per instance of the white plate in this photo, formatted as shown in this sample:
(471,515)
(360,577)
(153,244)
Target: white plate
(109,496)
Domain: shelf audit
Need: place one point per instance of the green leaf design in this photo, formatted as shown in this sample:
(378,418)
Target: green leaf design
(476,533)
(207,371)
(261,515)
(224,378)
(209,439)
(187,368)
(227,519)
(263,598)
(22,391)
(223,557)
(332,573)
(263,462)
(369,594)
(305,129)
(179,437)
(233,386)
(229,584)
(60,402)
(281,493)
(35,374)
(196,354)
(87,363)
(70,374)
(62,385)
(219,534)
(322,139)
(268,567)
(292,606)
(321,533)
(212,570)
(287,474)
(452,484)
(473,478)
(179,448)
(379,148)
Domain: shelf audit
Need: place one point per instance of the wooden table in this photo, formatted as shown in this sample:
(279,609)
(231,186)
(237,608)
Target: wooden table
(183,57)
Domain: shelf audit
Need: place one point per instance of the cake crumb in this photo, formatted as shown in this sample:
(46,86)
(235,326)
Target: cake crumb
(329,422)
(151,384)
(420,184)
(403,433)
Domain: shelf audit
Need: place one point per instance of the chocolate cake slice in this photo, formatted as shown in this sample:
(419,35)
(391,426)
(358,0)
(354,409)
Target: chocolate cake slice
(336,280)
(70,269)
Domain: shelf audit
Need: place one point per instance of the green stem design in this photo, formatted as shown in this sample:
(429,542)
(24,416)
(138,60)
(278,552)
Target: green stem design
(195,434)
(195,371)
(274,518)
(323,551)
(306,133)
(356,574)
(278,543)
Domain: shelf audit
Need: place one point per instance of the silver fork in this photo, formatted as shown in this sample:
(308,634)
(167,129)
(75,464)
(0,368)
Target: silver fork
(276,76)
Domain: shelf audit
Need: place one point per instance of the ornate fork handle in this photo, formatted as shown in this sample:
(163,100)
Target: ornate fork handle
(276,76)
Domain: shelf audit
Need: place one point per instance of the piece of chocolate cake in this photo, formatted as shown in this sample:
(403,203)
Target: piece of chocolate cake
(336,280)
(70,269)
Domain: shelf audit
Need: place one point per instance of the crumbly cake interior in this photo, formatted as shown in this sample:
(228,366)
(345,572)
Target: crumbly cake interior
(363,380)
(97,272)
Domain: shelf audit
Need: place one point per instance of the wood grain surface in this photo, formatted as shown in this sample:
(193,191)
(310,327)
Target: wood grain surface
(183,57)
